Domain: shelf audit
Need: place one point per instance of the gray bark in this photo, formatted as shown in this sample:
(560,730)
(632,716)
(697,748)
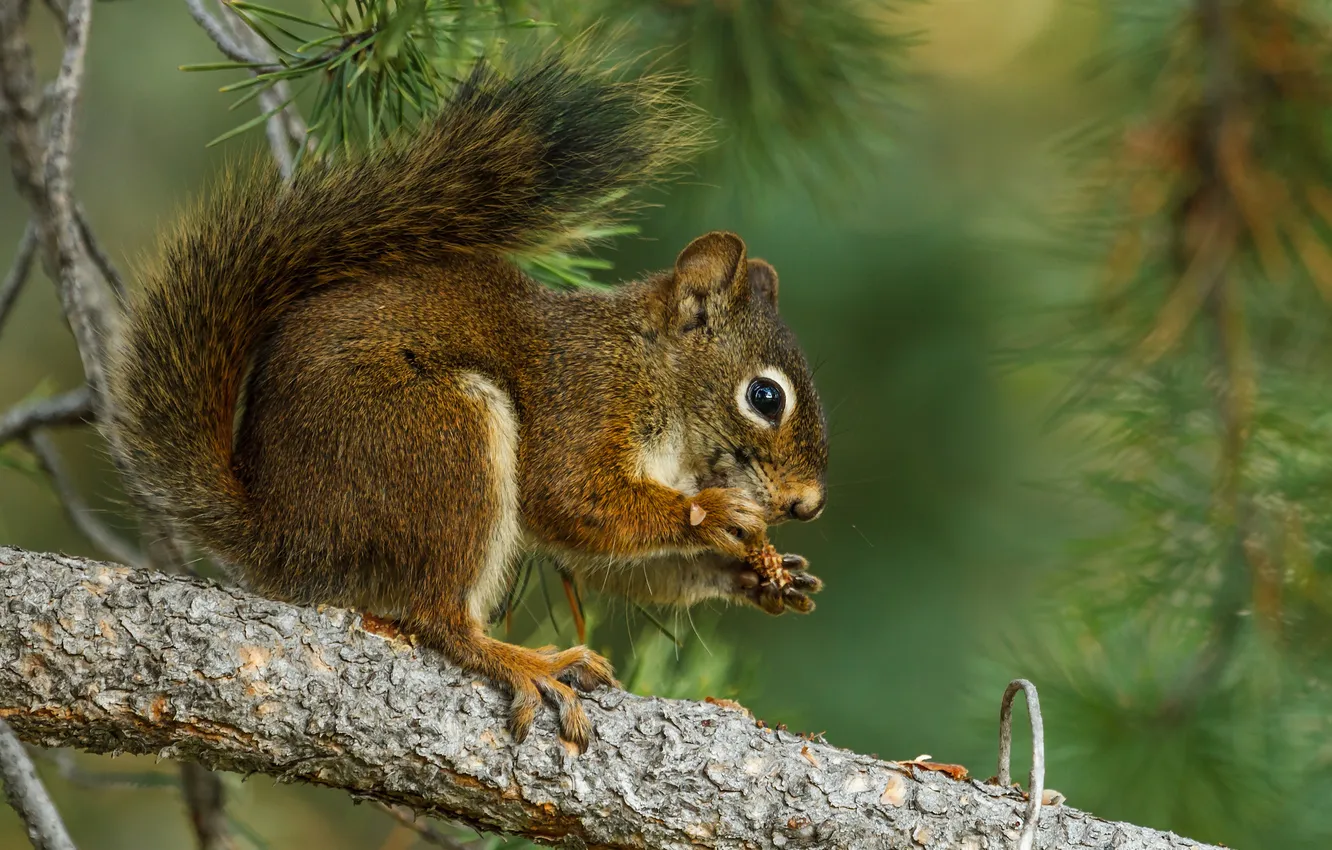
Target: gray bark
(27,796)
(108,659)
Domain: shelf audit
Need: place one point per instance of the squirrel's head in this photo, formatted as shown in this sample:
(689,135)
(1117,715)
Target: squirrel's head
(750,416)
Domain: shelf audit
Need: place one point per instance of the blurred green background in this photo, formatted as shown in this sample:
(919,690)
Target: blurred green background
(908,270)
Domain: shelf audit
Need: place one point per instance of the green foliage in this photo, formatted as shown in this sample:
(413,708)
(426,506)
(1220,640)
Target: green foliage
(652,656)
(1185,638)
(802,89)
(377,67)
(1180,642)
(16,459)
(374,65)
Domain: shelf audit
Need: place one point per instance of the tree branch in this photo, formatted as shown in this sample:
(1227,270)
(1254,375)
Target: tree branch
(237,41)
(68,408)
(217,31)
(26,794)
(205,798)
(80,514)
(99,256)
(427,833)
(108,659)
(18,273)
(43,174)
(84,302)
(19,103)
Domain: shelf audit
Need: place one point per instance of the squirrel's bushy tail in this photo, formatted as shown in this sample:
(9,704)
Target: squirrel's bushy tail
(512,164)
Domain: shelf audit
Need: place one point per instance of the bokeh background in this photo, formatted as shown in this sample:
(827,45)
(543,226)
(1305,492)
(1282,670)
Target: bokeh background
(917,210)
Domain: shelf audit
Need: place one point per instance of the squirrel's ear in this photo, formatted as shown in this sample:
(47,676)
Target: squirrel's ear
(763,281)
(710,274)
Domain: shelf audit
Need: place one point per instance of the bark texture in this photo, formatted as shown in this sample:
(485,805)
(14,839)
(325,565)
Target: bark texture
(108,659)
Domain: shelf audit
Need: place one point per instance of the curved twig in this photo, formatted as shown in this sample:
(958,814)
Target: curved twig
(1036,779)
(99,256)
(19,271)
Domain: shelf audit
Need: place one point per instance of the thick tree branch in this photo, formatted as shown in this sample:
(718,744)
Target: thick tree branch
(108,659)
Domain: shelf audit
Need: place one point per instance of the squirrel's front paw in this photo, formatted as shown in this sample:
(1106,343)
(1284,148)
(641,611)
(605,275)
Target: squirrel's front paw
(725,520)
(776,582)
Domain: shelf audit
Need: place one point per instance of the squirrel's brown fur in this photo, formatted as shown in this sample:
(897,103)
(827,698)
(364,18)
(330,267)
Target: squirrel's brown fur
(417,410)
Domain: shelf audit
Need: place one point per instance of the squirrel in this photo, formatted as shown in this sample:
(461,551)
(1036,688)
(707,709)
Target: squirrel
(346,389)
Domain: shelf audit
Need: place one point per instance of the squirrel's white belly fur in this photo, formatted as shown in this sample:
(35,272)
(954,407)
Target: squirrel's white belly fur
(506,531)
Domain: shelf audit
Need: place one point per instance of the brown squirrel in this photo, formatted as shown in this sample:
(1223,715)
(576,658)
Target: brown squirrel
(346,389)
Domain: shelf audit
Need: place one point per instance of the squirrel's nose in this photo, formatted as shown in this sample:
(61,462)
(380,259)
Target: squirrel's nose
(808,507)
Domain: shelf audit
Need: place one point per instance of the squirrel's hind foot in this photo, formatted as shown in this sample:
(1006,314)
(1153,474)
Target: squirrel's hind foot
(536,676)
(543,677)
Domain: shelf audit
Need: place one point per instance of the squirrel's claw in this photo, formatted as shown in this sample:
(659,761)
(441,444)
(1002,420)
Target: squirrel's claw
(789,590)
(580,666)
(724,520)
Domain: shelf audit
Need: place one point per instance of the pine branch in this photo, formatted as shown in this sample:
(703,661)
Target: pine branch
(223,37)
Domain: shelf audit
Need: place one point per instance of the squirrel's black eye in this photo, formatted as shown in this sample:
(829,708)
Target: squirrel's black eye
(766,398)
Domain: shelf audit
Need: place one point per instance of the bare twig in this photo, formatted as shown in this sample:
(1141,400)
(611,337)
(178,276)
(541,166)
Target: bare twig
(278,127)
(276,130)
(423,829)
(26,794)
(99,256)
(237,41)
(60,10)
(80,514)
(217,31)
(164,553)
(43,178)
(205,796)
(84,303)
(18,273)
(68,408)
(21,128)
(1036,779)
